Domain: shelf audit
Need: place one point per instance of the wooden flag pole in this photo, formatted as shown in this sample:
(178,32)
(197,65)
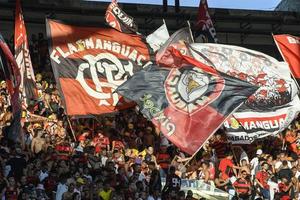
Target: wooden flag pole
(188,22)
(68,119)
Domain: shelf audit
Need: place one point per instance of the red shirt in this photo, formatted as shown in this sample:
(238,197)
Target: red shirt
(225,167)
(163,156)
(285,195)
(262,177)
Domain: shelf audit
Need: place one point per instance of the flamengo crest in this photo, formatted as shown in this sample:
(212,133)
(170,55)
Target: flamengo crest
(110,67)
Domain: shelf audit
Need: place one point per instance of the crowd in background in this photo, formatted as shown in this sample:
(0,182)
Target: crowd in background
(123,156)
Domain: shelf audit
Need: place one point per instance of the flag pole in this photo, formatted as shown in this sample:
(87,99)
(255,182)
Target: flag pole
(285,61)
(188,22)
(68,119)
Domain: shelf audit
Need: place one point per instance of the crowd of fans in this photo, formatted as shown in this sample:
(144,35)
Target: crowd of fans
(123,156)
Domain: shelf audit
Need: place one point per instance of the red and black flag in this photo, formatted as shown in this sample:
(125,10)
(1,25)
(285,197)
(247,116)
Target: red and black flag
(119,20)
(13,79)
(22,55)
(204,29)
(289,47)
(189,103)
(89,63)
(178,40)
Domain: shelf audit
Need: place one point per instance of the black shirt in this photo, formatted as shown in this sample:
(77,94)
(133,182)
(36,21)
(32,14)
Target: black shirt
(285,173)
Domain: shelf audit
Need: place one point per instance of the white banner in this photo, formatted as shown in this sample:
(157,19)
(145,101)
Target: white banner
(274,105)
(245,127)
(158,37)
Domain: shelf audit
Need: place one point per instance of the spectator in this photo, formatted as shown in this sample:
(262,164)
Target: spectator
(243,186)
(261,180)
(227,167)
(173,183)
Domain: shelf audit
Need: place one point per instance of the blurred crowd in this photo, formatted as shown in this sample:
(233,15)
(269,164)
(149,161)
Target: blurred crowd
(123,156)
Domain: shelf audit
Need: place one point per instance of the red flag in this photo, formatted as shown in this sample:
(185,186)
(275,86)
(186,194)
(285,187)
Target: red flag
(188,103)
(289,47)
(28,85)
(13,80)
(204,28)
(177,40)
(119,20)
(89,63)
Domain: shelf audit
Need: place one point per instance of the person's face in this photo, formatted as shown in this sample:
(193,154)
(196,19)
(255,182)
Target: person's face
(23,180)
(284,180)
(71,187)
(294,170)
(266,166)
(244,175)
(137,168)
(282,157)
(77,175)
(11,181)
(244,163)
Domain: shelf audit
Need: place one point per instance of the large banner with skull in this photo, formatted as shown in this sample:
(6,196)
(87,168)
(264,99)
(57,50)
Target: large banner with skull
(89,63)
(272,107)
(189,103)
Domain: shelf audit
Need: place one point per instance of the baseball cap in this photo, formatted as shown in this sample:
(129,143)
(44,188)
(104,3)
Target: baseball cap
(259,152)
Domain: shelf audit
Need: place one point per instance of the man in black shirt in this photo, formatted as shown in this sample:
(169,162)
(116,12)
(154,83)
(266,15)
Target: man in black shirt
(17,164)
(285,171)
(173,182)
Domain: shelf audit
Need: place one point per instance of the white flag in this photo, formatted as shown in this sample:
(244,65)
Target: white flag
(158,37)
(272,107)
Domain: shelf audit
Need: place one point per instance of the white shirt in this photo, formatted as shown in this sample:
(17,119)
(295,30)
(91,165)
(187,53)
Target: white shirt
(152,198)
(61,189)
(43,175)
(254,163)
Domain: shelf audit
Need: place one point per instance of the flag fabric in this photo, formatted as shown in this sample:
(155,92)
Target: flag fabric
(28,85)
(178,40)
(158,37)
(119,20)
(277,88)
(189,103)
(204,29)
(289,47)
(245,127)
(13,80)
(90,62)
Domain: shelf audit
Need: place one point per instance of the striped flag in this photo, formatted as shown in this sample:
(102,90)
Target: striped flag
(22,55)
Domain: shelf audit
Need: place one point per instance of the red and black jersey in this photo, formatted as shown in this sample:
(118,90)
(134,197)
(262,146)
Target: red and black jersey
(242,186)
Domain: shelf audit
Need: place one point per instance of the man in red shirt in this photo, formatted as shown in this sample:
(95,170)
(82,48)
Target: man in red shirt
(285,189)
(226,166)
(261,179)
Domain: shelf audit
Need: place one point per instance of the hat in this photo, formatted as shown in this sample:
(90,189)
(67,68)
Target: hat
(259,152)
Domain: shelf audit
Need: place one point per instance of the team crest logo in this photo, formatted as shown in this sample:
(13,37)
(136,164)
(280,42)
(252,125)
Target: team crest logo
(112,74)
(189,89)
